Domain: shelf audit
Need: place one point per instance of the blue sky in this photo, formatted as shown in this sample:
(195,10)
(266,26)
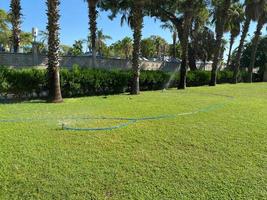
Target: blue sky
(74,21)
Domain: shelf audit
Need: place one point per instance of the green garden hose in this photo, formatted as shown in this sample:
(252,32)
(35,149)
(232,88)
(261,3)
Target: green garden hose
(126,121)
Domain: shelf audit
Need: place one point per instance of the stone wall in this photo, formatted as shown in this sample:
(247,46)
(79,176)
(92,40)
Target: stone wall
(29,60)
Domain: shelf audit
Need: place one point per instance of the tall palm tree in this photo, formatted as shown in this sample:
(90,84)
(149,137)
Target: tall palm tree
(221,15)
(133,12)
(252,12)
(100,40)
(92,15)
(53,51)
(16,23)
(261,21)
(234,25)
(137,25)
(172,28)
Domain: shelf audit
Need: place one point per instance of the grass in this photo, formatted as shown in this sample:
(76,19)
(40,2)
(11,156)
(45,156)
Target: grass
(217,154)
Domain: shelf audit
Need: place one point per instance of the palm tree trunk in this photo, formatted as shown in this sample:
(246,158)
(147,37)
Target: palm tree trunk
(16,22)
(53,51)
(232,40)
(240,50)
(137,35)
(184,44)
(220,24)
(254,48)
(93,27)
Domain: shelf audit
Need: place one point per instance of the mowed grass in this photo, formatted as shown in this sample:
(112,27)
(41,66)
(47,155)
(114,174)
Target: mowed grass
(220,153)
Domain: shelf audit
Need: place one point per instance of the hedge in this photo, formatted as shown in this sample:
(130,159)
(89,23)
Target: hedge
(31,82)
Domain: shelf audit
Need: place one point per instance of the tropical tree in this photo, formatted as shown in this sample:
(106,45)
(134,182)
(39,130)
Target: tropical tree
(181,14)
(127,47)
(197,30)
(77,48)
(252,12)
(234,25)
(160,44)
(4,20)
(92,15)
(53,51)
(261,21)
(221,15)
(133,11)
(5,32)
(100,41)
(148,48)
(170,26)
(16,23)
(260,58)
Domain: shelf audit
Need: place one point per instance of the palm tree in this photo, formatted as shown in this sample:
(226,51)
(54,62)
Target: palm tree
(133,12)
(127,46)
(171,27)
(261,21)
(252,13)
(137,25)
(100,40)
(180,13)
(16,23)
(53,51)
(92,15)
(189,8)
(221,14)
(234,25)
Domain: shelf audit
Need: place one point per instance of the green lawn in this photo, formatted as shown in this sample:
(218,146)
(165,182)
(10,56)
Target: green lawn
(220,153)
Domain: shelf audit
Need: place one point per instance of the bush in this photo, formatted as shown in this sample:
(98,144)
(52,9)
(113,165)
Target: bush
(29,83)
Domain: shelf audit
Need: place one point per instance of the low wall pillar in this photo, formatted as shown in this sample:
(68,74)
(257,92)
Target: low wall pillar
(35,53)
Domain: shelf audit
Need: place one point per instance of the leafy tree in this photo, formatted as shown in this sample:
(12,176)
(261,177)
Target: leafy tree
(260,56)
(148,48)
(196,50)
(252,13)
(172,28)
(201,47)
(53,51)
(180,13)
(154,46)
(16,23)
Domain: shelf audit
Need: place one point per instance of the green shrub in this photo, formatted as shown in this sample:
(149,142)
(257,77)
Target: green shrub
(87,82)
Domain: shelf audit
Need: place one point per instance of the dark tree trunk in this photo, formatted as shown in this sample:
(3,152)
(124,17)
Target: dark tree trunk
(255,47)
(174,43)
(232,40)
(16,23)
(192,59)
(53,51)
(220,24)
(183,33)
(240,50)
(93,27)
(137,35)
